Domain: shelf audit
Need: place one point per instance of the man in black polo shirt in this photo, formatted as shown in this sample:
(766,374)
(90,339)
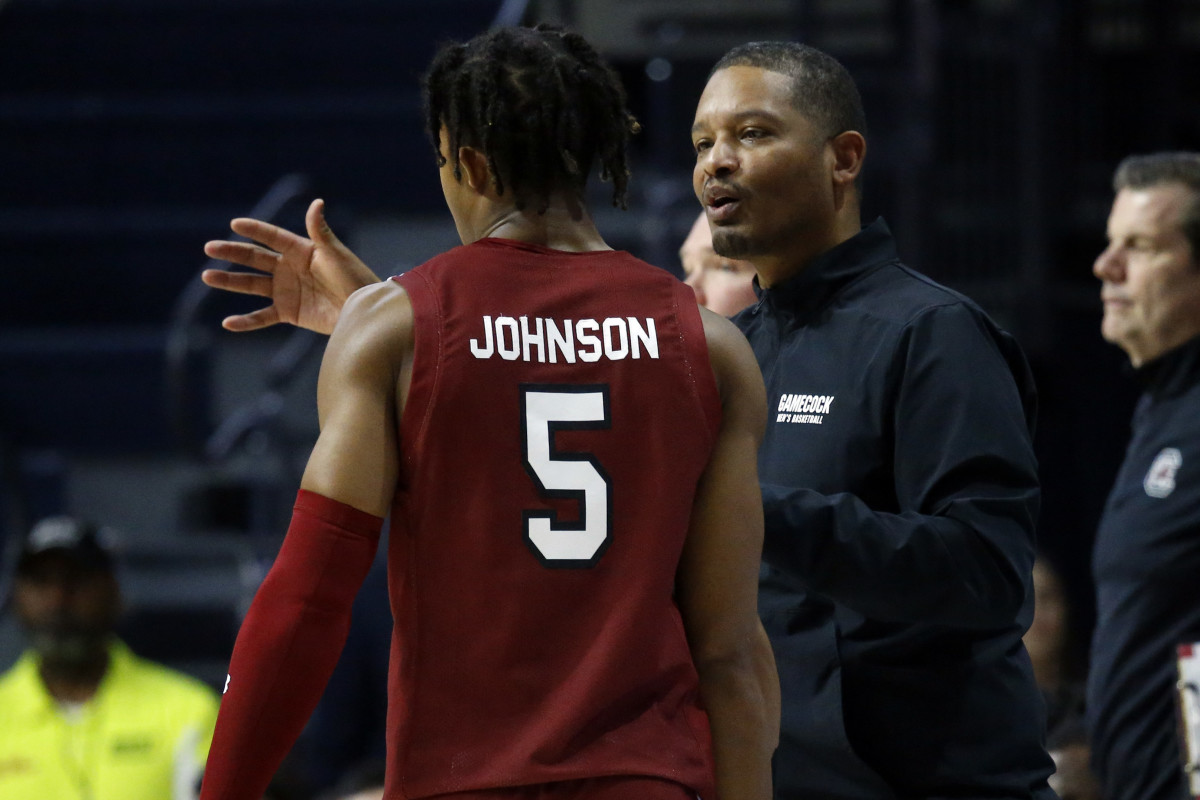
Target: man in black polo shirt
(1147,556)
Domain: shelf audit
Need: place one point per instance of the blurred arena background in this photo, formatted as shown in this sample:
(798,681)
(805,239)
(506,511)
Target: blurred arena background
(131,131)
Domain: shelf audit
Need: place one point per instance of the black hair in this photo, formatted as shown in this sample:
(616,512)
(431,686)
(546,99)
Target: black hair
(822,89)
(540,103)
(1155,169)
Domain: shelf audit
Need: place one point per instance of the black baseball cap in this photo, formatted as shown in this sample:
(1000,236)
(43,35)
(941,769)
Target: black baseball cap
(80,540)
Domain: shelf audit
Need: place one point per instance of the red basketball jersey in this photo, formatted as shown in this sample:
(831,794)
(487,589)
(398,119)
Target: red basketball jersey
(562,408)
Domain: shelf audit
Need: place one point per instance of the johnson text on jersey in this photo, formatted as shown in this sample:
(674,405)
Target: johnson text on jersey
(543,339)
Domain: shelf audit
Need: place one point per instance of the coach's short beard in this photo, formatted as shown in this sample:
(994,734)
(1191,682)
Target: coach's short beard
(728,244)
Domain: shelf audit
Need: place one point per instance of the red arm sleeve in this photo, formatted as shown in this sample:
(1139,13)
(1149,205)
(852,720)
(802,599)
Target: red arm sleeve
(289,644)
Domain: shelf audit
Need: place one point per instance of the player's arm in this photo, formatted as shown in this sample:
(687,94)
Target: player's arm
(717,586)
(356,458)
(306,280)
(293,634)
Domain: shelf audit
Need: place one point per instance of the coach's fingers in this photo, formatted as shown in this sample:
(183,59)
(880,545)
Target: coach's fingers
(255,320)
(278,239)
(238,282)
(318,227)
(248,255)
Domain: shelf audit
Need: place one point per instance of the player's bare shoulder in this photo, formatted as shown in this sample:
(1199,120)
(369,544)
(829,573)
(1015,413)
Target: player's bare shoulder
(738,377)
(730,353)
(378,302)
(372,343)
(376,322)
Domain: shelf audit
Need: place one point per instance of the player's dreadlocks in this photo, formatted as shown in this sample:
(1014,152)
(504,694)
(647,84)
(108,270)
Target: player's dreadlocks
(542,106)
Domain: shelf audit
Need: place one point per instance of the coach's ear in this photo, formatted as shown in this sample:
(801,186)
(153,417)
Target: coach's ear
(475,169)
(845,153)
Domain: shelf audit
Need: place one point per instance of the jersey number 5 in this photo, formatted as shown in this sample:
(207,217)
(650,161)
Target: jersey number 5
(545,410)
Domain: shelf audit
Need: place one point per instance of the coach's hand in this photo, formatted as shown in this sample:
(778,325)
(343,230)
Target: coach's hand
(307,280)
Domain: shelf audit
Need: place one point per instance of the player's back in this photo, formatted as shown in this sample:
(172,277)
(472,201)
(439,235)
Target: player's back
(561,410)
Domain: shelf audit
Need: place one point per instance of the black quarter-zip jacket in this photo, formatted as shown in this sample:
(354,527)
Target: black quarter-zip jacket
(1147,569)
(900,493)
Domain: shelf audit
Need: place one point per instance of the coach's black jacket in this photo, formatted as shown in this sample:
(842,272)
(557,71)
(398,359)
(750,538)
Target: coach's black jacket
(900,491)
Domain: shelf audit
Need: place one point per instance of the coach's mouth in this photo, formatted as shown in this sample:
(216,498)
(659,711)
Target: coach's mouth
(721,203)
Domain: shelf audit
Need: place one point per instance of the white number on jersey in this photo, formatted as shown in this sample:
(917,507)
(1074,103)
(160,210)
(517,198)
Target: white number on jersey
(546,409)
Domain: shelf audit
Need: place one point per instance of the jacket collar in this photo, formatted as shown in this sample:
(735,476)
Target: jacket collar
(1172,373)
(814,286)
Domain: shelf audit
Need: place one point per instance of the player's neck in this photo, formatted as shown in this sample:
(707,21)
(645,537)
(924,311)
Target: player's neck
(564,225)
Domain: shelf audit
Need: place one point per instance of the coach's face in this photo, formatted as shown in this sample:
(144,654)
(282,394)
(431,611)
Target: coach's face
(763,172)
(1151,277)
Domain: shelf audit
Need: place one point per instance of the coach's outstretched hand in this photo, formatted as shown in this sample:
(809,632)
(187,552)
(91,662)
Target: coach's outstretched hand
(307,280)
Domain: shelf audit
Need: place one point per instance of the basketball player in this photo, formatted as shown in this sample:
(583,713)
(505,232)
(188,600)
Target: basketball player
(566,445)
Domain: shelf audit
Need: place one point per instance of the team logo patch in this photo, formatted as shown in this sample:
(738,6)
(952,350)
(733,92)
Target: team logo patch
(1160,480)
(803,409)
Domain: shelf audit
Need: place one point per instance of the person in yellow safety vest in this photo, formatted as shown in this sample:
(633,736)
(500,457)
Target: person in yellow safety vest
(81,716)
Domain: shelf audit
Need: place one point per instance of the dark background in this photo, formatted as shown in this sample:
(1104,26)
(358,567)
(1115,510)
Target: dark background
(131,131)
